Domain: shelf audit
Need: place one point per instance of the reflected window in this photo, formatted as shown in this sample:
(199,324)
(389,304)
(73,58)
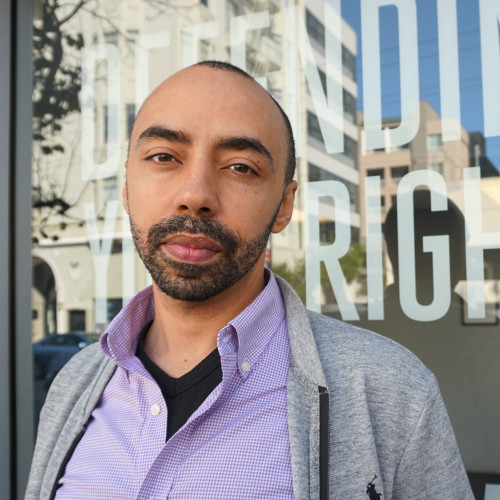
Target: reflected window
(348,63)
(111,36)
(437,167)
(375,172)
(313,128)
(316,173)
(399,172)
(315,30)
(434,141)
(348,100)
(350,148)
(77,321)
(130,112)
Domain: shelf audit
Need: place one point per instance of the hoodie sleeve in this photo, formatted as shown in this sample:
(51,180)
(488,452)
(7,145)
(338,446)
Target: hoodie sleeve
(431,466)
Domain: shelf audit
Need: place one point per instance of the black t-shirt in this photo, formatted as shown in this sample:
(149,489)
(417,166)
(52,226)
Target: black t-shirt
(185,394)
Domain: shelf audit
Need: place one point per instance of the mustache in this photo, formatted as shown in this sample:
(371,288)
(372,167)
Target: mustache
(193,225)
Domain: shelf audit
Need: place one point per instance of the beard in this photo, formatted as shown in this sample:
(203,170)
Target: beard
(191,282)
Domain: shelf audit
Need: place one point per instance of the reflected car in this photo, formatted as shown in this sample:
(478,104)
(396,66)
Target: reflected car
(51,353)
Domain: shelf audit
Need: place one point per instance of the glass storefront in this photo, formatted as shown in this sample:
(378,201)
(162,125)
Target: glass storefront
(396,114)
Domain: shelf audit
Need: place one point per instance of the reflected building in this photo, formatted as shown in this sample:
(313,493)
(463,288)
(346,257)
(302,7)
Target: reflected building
(80,231)
(426,151)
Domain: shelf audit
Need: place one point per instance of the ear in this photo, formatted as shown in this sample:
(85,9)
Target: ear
(286,208)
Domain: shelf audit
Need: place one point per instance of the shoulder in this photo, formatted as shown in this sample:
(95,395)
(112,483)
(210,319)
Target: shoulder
(82,365)
(70,400)
(77,377)
(352,355)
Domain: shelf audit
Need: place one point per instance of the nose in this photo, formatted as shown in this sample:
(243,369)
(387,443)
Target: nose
(197,193)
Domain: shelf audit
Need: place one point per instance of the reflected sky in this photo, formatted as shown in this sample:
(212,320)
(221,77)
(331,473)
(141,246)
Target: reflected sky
(469,43)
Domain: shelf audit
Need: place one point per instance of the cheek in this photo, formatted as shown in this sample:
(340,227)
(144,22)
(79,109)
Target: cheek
(147,201)
(249,212)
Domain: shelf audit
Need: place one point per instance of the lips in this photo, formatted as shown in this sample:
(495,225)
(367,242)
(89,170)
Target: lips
(193,249)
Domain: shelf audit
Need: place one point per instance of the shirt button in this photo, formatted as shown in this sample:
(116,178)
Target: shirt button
(245,366)
(155,410)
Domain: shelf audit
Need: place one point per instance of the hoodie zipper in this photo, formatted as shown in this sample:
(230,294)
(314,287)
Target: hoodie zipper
(324,443)
(64,463)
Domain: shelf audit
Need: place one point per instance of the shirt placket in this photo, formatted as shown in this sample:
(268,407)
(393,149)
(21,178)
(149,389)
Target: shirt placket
(154,424)
(160,477)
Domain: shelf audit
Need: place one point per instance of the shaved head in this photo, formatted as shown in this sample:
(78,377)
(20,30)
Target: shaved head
(224,66)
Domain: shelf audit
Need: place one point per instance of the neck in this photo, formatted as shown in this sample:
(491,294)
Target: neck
(184,333)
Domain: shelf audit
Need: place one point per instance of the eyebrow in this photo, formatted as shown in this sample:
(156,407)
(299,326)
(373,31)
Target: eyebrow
(242,143)
(235,143)
(159,132)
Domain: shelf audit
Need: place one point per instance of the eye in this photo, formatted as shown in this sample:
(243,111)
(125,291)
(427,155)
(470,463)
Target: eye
(241,168)
(161,158)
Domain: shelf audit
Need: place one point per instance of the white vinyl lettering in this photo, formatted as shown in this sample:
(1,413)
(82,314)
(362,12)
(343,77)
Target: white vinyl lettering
(329,108)
(438,245)
(374,267)
(191,36)
(448,70)
(143,45)
(240,26)
(477,242)
(101,251)
(490,59)
(90,56)
(372,91)
(329,254)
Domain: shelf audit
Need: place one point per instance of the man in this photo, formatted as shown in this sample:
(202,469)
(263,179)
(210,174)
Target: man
(215,382)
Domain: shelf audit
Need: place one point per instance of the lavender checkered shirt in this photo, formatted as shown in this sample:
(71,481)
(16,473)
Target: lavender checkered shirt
(236,443)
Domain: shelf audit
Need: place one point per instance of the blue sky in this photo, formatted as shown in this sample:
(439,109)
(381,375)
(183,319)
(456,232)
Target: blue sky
(469,61)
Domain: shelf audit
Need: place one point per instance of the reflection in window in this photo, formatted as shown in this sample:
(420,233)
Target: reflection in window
(203,49)
(327,233)
(313,128)
(130,111)
(437,167)
(375,172)
(349,106)
(105,123)
(348,63)
(110,187)
(350,147)
(316,173)
(113,307)
(77,320)
(434,141)
(315,29)
(111,36)
(348,100)
(398,172)
(314,131)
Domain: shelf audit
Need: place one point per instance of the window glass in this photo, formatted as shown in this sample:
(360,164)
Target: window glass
(396,115)
(399,172)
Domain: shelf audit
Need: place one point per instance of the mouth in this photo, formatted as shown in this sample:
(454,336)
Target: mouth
(192,249)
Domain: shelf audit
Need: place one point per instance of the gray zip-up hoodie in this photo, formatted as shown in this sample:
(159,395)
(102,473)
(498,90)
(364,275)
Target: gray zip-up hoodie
(360,408)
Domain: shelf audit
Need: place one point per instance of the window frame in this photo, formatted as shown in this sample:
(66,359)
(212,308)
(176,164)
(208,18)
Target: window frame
(16,354)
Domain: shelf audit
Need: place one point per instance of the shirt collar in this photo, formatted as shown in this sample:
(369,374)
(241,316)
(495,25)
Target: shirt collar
(253,327)
(119,341)
(256,324)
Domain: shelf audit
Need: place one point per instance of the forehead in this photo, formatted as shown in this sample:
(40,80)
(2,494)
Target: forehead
(207,102)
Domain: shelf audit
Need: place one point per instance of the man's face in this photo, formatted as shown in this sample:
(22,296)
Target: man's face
(205,181)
